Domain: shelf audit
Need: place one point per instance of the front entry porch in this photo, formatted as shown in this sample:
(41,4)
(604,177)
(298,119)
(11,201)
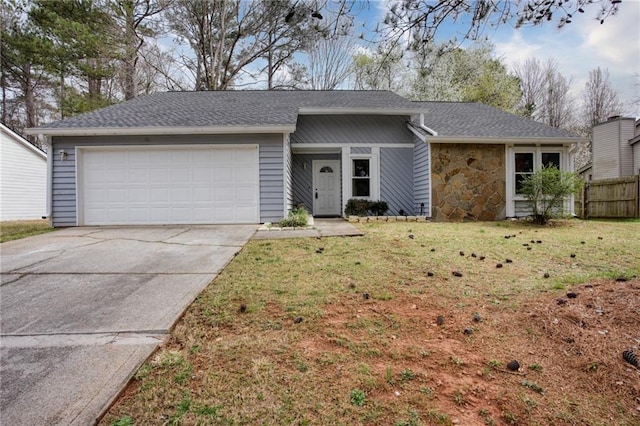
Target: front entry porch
(317,183)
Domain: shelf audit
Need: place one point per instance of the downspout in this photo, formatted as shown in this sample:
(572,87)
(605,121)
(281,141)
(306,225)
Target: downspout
(423,126)
(430,209)
(49,204)
(571,159)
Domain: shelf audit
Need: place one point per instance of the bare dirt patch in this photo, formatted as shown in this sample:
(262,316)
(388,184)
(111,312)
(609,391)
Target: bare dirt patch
(567,348)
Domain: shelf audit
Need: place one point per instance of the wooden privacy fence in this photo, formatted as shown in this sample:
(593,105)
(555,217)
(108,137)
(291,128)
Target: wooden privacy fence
(610,198)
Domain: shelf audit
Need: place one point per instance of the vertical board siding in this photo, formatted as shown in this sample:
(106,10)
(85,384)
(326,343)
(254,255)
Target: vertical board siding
(396,179)
(421,178)
(64,191)
(352,129)
(303,179)
(613,198)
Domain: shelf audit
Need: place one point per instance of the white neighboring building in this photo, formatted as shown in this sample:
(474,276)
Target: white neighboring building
(23,178)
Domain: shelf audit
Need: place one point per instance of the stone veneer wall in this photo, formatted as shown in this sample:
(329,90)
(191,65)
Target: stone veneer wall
(468,182)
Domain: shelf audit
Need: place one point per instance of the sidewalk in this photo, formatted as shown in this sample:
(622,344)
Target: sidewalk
(318,228)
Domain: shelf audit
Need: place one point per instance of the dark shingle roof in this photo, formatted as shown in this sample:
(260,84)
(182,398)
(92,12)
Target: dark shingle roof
(482,121)
(252,109)
(229,108)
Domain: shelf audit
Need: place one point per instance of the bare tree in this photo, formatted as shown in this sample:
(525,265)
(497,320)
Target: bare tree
(600,99)
(557,104)
(330,62)
(545,93)
(532,81)
(423,18)
(382,69)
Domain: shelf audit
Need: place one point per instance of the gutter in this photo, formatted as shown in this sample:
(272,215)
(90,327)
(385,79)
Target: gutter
(148,131)
(357,111)
(509,140)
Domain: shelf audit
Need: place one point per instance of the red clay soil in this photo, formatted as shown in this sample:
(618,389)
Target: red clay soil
(569,350)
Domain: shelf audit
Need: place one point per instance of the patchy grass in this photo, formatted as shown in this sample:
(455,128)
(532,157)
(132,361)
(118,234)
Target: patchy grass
(14,230)
(309,348)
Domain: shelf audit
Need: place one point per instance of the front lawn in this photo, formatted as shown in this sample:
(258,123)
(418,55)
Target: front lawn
(16,229)
(414,323)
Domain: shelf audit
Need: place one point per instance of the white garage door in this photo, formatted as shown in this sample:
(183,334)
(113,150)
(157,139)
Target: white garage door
(177,185)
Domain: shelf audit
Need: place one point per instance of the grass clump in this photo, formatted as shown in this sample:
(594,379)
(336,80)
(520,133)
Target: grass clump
(357,397)
(298,217)
(15,230)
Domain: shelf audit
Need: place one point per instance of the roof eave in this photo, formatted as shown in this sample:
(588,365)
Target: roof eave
(146,131)
(358,111)
(25,143)
(506,140)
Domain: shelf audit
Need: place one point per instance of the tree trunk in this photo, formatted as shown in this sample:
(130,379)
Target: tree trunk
(29,98)
(131,55)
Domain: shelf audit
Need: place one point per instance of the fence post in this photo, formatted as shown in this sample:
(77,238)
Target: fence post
(584,200)
(637,196)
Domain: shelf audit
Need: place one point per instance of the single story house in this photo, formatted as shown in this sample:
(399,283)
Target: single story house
(251,156)
(23,178)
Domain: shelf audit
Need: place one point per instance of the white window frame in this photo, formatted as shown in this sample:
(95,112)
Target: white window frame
(374,173)
(369,178)
(537,151)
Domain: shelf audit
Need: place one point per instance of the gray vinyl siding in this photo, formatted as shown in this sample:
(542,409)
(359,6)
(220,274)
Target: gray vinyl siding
(396,179)
(523,208)
(271,182)
(612,154)
(636,158)
(360,150)
(627,130)
(303,179)
(64,204)
(421,178)
(351,129)
(288,173)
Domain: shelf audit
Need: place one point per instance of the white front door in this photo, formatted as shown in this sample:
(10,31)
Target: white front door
(326,188)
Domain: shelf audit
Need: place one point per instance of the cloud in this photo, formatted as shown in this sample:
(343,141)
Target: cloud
(581,46)
(616,43)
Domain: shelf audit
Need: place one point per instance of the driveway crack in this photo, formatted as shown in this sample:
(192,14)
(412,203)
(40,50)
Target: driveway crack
(58,253)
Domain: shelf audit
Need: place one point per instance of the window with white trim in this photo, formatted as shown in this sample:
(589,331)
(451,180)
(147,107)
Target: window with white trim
(523,168)
(361,177)
(527,162)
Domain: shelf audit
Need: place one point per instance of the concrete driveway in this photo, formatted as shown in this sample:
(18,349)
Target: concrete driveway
(83,308)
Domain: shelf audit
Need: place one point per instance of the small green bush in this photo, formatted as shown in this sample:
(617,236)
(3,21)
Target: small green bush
(357,207)
(362,207)
(547,189)
(379,208)
(297,218)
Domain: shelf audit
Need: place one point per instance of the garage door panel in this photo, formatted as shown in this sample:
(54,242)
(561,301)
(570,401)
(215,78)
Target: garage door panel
(170,185)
